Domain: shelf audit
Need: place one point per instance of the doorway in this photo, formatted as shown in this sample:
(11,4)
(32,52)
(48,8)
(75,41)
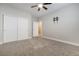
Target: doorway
(37,28)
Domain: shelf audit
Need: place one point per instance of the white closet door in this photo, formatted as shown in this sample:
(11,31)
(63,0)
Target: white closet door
(22,28)
(10,28)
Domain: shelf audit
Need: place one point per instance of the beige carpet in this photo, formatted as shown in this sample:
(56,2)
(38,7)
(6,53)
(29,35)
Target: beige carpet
(38,47)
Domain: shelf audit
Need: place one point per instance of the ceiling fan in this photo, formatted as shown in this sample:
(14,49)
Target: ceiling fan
(41,5)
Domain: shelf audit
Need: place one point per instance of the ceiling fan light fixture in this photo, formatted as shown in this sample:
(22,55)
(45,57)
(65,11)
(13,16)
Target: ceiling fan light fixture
(40,5)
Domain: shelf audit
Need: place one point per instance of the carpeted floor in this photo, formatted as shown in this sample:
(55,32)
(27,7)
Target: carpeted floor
(38,47)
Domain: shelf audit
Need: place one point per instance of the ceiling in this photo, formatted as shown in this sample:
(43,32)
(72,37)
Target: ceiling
(34,11)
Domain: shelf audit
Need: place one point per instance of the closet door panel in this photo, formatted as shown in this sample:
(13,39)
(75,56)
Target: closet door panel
(10,28)
(22,28)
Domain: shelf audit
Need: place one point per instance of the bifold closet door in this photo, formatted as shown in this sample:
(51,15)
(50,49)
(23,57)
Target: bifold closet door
(22,28)
(10,28)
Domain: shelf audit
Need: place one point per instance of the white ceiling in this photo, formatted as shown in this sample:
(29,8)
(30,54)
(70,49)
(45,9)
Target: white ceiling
(34,11)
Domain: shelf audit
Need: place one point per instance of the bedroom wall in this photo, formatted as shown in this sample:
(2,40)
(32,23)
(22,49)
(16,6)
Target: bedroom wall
(0,28)
(6,9)
(67,28)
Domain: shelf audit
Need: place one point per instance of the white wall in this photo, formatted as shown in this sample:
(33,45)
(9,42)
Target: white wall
(67,28)
(0,28)
(6,9)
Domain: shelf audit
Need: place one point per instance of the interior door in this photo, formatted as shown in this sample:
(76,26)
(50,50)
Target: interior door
(22,28)
(35,28)
(10,28)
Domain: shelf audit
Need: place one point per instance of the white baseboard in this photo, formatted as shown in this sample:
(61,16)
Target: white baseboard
(67,42)
(14,41)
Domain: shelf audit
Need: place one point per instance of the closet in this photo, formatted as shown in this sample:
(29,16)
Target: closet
(13,28)
(10,28)
(22,28)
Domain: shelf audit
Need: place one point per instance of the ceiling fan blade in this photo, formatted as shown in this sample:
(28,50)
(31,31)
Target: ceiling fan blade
(34,6)
(45,7)
(47,3)
(38,9)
